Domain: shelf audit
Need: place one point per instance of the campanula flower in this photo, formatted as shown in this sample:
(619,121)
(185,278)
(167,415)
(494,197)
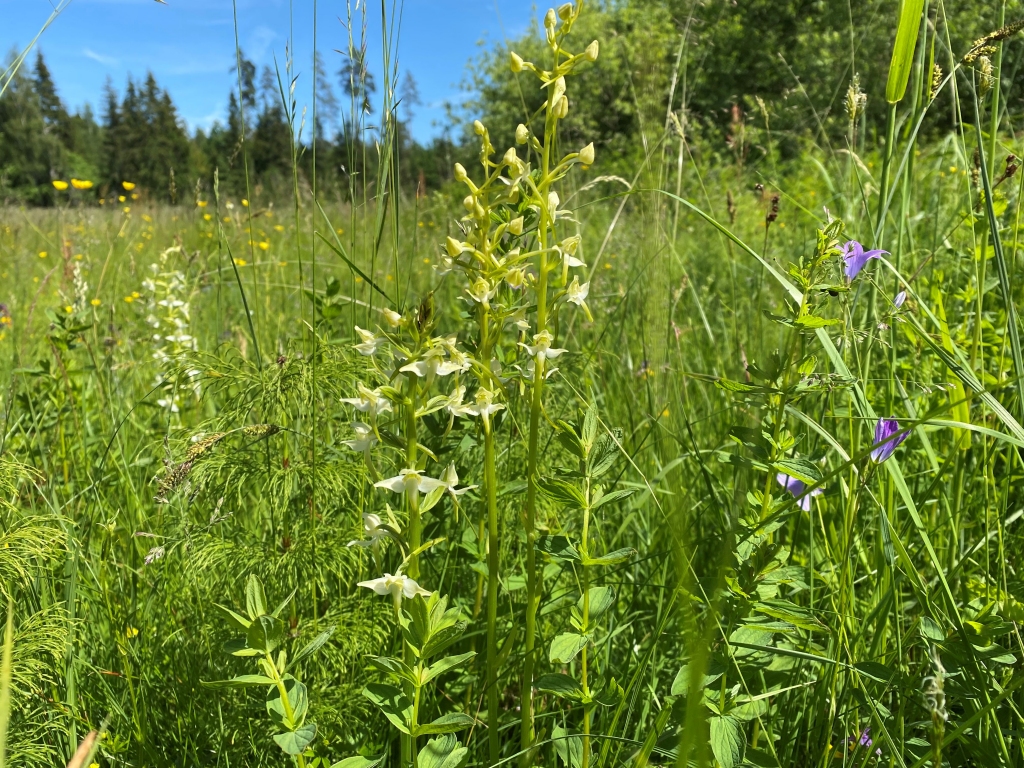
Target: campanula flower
(900,298)
(856,257)
(887,437)
(798,489)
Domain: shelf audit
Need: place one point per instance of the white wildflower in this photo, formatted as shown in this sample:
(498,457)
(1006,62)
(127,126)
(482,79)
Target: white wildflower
(410,481)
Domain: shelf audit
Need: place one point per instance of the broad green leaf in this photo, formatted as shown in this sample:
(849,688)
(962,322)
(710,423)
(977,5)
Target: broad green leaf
(601,599)
(284,604)
(903,50)
(294,742)
(392,702)
(431,499)
(395,667)
(358,761)
(562,492)
(441,639)
(298,703)
(265,634)
(565,647)
(239,621)
(613,496)
(612,558)
(443,752)
(238,647)
(558,547)
(568,748)
(443,665)
(314,645)
(681,683)
(255,599)
(801,469)
(728,743)
(874,670)
(450,723)
(558,684)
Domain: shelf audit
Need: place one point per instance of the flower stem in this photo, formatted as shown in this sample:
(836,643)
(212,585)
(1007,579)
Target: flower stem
(413,499)
(493,564)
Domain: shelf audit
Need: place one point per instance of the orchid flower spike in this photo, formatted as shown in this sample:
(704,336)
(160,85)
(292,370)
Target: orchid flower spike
(798,488)
(371,342)
(577,294)
(887,438)
(364,440)
(856,257)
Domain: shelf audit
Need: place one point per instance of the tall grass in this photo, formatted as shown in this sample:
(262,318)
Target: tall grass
(682,550)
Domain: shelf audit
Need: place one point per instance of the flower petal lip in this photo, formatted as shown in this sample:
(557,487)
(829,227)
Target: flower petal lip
(855,257)
(798,489)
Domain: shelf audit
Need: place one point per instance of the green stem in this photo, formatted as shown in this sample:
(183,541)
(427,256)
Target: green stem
(585,624)
(493,564)
(413,498)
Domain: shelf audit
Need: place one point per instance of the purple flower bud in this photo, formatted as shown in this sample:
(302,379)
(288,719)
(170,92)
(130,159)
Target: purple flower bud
(798,488)
(887,437)
(856,257)
(900,298)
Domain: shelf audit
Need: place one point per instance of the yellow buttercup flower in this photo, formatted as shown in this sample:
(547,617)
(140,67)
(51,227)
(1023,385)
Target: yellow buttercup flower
(207,217)
(278,228)
(95,302)
(60,185)
(42,254)
(201,203)
(131,632)
(81,184)
(69,309)
(121,198)
(240,262)
(264,245)
(129,299)
(245,203)
(129,185)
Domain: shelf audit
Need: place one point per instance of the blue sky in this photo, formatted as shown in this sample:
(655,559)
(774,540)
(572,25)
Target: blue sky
(189,45)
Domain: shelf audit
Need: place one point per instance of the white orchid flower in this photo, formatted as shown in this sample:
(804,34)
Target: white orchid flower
(577,293)
(364,439)
(529,372)
(398,586)
(410,481)
(371,342)
(369,401)
(541,347)
(433,364)
(373,531)
(483,406)
(447,265)
(481,292)
(519,318)
(451,480)
(394,318)
(455,399)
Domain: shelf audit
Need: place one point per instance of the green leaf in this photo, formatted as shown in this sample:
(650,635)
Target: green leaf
(358,761)
(284,604)
(392,702)
(612,558)
(801,469)
(874,670)
(265,634)
(611,496)
(298,701)
(395,667)
(450,723)
(443,665)
(903,50)
(431,499)
(681,683)
(314,645)
(568,748)
(565,647)
(728,742)
(294,742)
(255,599)
(813,321)
(601,599)
(442,752)
(563,492)
(237,647)
(240,681)
(441,639)
(559,684)
(930,630)
(239,621)
(558,547)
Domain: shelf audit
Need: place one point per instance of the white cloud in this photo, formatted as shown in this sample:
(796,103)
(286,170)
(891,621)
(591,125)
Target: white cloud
(110,61)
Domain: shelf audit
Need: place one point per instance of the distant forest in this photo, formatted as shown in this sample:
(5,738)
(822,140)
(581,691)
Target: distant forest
(139,137)
(741,81)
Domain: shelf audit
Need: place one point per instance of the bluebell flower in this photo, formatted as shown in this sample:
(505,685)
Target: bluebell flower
(887,437)
(798,488)
(900,298)
(856,257)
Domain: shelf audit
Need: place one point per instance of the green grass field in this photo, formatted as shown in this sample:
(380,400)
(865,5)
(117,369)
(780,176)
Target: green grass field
(689,541)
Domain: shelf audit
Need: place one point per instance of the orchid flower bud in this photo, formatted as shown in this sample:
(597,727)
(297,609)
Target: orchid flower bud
(478,128)
(515,226)
(469,203)
(516,61)
(550,19)
(587,154)
(559,89)
(570,244)
(553,201)
(453,246)
(561,108)
(511,158)
(565,11)
(460,172)
(591,51)
(522,134)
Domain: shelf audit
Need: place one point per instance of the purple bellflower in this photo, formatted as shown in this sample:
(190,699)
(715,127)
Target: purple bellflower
(856,257)
(797,488)
(887,438)
(900,298)
(864,740)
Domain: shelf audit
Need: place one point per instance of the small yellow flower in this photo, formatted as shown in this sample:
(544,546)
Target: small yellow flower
(227,219)
(201,203)
(607,265)
(282,263)
(5,320)
(136,295)
(264,245)
(146,217)
(81,184)
(95,302)
(340,231)
(69,309)
(245,203)
(121,198)
(952,169)
(240,262)
(358,279)
(207,217)
(278,228)
(103,201)
(94,765)
(419,223)
(664,414)
(129,185)
(42,254)
(131,632)
(127,209)
(135,195)
(388,277)
(129,299)
(60,186)
(78,257)
(426,261)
